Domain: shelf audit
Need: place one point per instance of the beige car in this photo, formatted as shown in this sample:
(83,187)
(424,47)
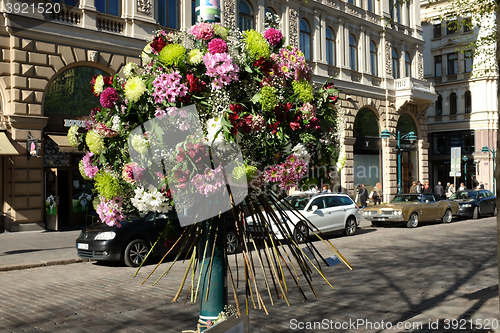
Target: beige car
(411,209)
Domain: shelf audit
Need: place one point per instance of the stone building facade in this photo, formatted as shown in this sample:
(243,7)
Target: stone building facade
(465,114)
(377,65)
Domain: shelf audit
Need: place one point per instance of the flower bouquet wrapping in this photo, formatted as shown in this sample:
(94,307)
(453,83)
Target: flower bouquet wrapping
(212,113)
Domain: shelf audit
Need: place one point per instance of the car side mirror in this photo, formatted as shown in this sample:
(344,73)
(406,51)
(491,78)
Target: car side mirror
(161,217)
(314,208)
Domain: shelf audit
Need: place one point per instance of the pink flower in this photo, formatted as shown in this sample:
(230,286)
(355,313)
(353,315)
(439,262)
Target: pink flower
(90,170)
(109,211)
(109,98)
(159,113)
(203,31)
(273,36)
(308,111)
(217,45)
(132,172)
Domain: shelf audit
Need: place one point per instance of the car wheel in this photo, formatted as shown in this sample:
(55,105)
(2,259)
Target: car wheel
(412,221)
(231,242)
(135,253)
(350,226)
(475,213)
(495,211)
(300,233)
(447,217)
(375,224)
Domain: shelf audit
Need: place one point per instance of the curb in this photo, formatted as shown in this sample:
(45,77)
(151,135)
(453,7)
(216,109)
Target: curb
(42,264)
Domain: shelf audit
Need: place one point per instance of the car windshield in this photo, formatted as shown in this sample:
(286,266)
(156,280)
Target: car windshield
(463,195)
(407,198)
(297,202)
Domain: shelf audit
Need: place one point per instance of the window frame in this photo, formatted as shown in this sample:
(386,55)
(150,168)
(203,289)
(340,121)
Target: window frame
(468,101)
(106,2)
(438,60)
(452,63)
(468,58)
(330,47)
(453,104)
(166,12)
(437,30)
(396,73)
(305,39)
(439,106)
(242,16)
(407,64)
(353,52)
(373,58)
(451,26)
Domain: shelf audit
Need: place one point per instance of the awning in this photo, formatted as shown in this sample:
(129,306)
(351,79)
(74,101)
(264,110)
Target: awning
(63,143)
(6,147)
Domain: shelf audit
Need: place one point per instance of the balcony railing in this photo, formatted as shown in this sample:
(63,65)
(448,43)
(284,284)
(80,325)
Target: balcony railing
(67,15)
(412,83)
(109,24)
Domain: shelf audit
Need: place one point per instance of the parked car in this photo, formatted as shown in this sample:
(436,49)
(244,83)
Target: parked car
(475,203)
(132,241)
(327,212)
(412,209)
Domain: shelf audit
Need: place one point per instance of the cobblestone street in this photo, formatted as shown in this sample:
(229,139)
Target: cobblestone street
(421,277)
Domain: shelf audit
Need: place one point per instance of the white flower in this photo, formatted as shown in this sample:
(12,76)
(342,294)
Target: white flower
(342,159)
(130,69)
(214,125)
(116,123)
(139,143)
(301,152)
(145,55)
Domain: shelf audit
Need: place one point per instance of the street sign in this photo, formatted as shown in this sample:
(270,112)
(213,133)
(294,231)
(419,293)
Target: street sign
(456,159)
(455,174)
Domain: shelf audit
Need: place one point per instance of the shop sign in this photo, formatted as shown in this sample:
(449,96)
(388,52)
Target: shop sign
(71,122)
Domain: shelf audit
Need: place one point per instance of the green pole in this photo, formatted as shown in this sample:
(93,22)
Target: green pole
(213,274)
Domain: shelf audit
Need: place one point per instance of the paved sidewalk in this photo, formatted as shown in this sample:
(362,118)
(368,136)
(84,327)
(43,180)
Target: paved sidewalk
(21,250)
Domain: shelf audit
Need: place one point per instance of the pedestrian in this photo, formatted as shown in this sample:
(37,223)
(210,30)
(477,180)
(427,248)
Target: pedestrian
(377,194)
(480,186)
(413,188)
(447,187)
(462,187)
(439,190)
(363,195)
(427,188)
(451,190)
(326,189)
(419,187)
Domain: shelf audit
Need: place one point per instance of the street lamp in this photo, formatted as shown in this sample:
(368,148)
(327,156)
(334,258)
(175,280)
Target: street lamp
(485,149)
(465,159)
(410,136)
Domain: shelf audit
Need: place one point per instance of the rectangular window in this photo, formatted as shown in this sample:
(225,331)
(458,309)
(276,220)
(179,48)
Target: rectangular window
(370,6)
(452,63)
(167,13)
(437,30)
(467,24)
(451,27)
(468,61)
(438,67)
(73,3)
(111,7)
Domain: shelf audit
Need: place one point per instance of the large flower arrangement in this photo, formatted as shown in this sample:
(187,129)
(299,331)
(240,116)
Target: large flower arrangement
(248,88)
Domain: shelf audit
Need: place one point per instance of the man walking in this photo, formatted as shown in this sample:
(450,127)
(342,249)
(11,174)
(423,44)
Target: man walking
(439,190)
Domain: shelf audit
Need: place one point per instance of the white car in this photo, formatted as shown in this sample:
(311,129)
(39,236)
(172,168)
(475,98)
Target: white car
(325,211)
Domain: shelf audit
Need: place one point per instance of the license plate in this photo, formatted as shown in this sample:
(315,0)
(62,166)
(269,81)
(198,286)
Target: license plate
(381,218)
(83,246)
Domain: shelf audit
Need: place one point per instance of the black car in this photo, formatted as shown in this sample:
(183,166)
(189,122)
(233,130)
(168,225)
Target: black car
(132,241)
(475,203)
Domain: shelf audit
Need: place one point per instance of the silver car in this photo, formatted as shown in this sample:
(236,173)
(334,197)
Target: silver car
(326,212)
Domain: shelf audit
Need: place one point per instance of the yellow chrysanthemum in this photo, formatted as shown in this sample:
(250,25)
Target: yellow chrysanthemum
(194,57)
(134,88)
(99,85)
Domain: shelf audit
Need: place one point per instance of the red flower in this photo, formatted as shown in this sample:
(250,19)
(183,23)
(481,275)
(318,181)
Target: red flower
(181,155)
(274,127)
(108,80)
(236,108)
(195,84)
(158,44)
(294,126)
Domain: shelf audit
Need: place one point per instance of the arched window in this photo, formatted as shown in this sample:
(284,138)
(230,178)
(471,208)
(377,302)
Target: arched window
(406,124)
(407,65)
(270,13)
(395,63)
(111,7)
(245,16)
(69,93)
(353,53)
(330,47)
(366,124)
(168,13)
(305,39)
(468,102)
(439,106)
(453,103)
(373,58)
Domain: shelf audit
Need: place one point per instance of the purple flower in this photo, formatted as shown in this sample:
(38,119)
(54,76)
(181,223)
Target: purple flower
(217,45)
(273,36)
(109,97)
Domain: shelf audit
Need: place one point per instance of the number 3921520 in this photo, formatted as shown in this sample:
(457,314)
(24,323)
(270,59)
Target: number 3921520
(39,8)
